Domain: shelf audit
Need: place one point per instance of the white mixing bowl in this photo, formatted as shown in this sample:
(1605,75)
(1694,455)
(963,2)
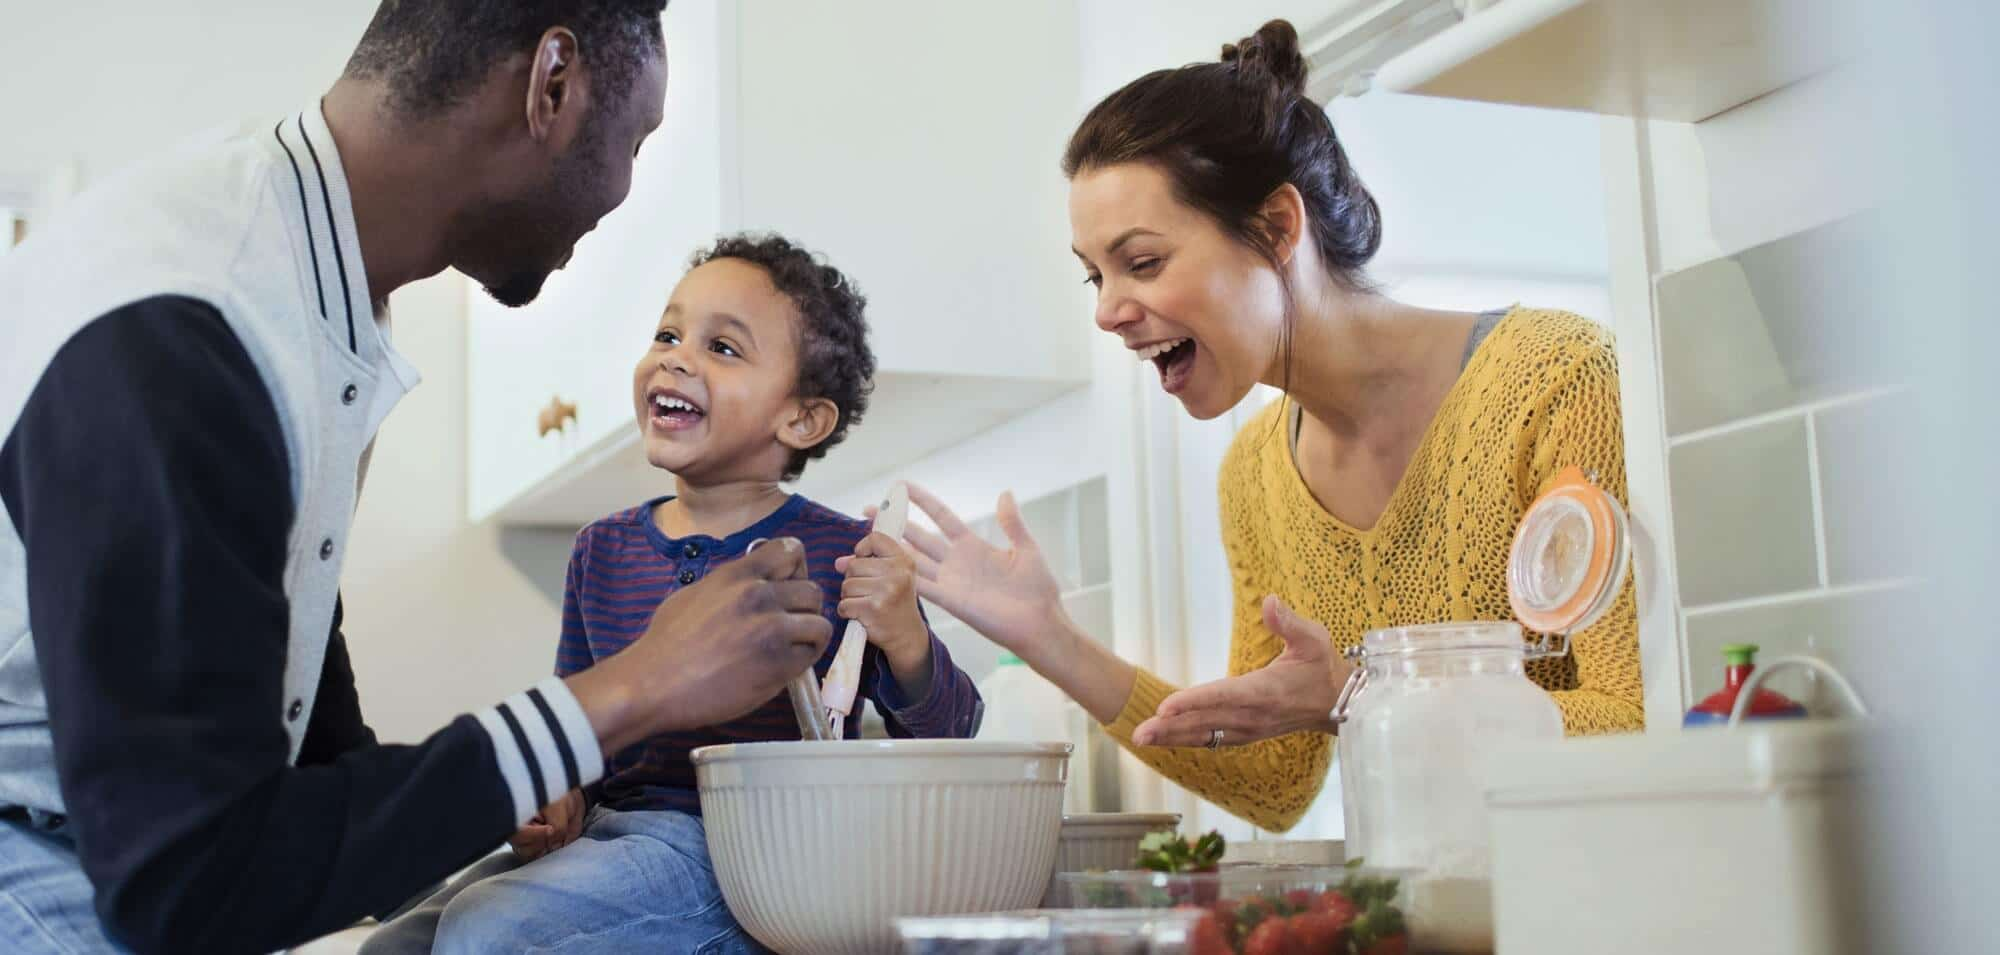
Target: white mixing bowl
(1102,841)
(821,846)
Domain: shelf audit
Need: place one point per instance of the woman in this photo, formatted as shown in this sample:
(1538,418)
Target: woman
(1216,213)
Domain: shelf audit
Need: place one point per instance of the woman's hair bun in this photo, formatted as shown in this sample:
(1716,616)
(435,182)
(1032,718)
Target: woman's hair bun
(1270,55)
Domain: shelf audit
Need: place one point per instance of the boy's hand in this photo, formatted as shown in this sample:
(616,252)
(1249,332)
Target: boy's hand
(558,825)
(880,593)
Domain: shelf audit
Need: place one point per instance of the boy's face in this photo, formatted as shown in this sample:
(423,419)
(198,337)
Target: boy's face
(715,392)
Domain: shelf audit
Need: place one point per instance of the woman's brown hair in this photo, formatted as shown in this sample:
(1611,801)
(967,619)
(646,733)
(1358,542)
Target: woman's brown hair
(1228,134)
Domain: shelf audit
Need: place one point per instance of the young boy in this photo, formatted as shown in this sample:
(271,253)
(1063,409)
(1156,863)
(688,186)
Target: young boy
(759,364)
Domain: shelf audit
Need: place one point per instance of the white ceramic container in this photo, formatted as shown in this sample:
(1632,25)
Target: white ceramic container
(820,846)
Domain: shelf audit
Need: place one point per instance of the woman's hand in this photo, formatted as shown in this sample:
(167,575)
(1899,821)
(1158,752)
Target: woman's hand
(1007,594)
(1295,692)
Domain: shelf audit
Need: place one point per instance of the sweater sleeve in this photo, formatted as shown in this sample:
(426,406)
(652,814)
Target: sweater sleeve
(1270,783)
(953,710)
(1584,428)
(150,483)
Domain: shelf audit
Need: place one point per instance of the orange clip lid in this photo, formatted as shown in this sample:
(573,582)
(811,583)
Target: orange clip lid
(1569,556)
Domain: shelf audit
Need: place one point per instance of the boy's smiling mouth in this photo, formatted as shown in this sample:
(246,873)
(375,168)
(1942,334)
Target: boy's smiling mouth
(673,411)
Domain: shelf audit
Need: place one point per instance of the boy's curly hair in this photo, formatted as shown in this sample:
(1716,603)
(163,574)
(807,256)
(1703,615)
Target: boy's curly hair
(835,362)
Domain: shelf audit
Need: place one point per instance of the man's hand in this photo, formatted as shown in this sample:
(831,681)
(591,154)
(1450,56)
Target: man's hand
(559,824)
(715,650)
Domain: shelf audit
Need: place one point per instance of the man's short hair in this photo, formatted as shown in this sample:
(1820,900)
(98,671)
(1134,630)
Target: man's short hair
(433,53)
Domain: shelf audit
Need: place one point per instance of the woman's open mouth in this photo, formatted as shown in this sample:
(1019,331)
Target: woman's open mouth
(673,411)
(1175,359)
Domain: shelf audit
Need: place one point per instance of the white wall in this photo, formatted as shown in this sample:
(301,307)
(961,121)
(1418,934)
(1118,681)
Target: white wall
(1470,189)
(439,618)
(938,126)
(1929,874)
(442,616)
(100,82)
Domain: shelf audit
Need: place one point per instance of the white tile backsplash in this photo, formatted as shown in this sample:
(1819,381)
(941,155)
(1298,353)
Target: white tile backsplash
(1844,628)
(1770,328)
(1743,514)
(1868,465)
(1788,454)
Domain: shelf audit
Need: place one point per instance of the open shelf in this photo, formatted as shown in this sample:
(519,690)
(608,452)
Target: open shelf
(1684,60)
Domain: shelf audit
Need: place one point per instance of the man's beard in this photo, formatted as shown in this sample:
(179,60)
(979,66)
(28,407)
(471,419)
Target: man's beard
(518,289)
(531,238)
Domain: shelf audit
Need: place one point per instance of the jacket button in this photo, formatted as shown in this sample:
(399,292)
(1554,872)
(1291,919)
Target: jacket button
(687,577)
(292,713)
(691,551)
(349,393)
(326,549)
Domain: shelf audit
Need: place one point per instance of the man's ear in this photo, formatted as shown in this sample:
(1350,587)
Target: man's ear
(556,94)
(808,422)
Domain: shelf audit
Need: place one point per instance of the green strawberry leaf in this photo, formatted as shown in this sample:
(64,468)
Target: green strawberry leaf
(1169,852)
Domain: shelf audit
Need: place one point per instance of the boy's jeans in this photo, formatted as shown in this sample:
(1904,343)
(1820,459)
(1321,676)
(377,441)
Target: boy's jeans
(634,881)
(45,899)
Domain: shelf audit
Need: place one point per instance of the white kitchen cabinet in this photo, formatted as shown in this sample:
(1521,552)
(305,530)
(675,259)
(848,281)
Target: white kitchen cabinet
(902,139)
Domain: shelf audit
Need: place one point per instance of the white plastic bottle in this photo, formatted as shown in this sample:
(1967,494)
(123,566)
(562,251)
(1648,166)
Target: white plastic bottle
(1022,707)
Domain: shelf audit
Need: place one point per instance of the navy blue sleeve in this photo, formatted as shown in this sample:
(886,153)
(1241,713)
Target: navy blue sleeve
(953,710)
(337,726)
(150,483)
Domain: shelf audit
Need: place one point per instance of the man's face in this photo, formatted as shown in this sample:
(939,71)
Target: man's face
(513,244)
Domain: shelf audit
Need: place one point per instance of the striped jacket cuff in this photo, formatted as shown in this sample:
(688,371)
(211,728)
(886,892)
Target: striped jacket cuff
(544,745)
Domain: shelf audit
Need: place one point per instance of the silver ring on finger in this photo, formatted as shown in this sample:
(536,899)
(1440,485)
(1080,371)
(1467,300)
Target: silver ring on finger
(1214,739)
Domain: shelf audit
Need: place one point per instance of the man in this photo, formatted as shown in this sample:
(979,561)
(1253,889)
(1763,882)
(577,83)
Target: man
(196,362)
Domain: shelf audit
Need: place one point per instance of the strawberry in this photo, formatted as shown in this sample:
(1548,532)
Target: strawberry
(1209,938)
(1300,900)
(1207,892)
(1379,931)
(1365,890)
(1193,893)
(1270,938)
(1251,912)
(1224,913)
(1398,944)
(1338,906)
(1315,933)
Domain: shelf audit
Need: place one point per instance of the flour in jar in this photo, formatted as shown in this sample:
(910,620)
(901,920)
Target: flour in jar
(1452,915)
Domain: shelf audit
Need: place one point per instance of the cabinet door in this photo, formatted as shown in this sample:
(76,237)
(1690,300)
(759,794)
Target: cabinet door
(582,338)
(917,145)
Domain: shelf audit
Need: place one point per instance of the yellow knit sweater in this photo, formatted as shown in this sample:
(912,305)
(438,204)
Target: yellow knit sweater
(1540,394)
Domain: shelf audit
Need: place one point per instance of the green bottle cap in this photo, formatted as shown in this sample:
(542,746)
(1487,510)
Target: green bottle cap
(1739,654)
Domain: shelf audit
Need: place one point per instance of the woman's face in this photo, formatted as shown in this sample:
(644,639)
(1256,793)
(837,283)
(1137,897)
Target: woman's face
(1182,294)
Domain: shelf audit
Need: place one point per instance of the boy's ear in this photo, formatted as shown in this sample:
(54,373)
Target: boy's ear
(810,422)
